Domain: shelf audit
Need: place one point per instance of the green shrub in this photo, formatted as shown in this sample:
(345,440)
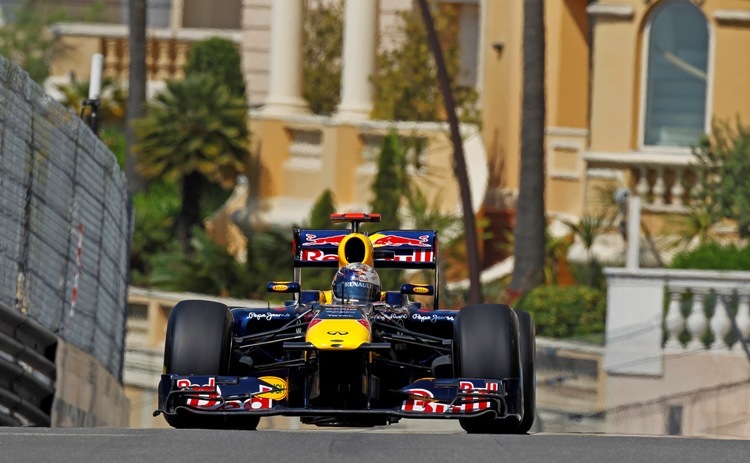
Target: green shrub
(219,57)
(566,311)
(713,256)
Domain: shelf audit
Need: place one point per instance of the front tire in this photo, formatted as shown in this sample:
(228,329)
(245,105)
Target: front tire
(486,346)
(199,339)
(199,342)
(527,346)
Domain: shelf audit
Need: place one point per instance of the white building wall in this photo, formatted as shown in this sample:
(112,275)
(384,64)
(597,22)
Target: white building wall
(256,39)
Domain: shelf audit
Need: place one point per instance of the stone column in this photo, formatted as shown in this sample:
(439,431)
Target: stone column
(285,73)
(176,15)
(360,47)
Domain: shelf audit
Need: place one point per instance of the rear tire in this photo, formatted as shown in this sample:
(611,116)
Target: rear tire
(199,342)
(527,347)
(486,346)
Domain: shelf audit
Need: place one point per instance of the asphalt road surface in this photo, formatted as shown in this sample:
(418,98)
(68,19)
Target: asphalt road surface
(349,445)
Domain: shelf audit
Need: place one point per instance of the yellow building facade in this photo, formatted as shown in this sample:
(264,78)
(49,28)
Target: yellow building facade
(629,84)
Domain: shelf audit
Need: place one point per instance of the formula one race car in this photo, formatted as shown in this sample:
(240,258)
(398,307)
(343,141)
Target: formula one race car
(355,355)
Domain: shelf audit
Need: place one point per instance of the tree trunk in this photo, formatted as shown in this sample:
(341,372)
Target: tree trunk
(459,162)
(530,237)
(190,212)
(137,88)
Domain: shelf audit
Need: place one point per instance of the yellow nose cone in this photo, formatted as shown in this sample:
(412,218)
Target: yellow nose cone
(338,334)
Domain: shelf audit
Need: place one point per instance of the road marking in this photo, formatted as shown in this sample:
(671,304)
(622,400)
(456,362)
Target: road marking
(60,434)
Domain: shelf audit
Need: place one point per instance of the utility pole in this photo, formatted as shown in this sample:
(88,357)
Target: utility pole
(459,162)
(137,87)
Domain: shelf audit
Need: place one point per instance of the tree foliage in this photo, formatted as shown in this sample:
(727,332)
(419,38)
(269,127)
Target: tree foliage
(405,82)
(219,57)
(724,169)
(390,183)
(209,269)
(388,188)
(566,311)
(154,216)
(714,256)
(27,40)
(194,131)
(320,215)
(406,86)
(323,47)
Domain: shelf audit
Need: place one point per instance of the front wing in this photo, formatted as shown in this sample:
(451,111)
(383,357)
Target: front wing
(266,396)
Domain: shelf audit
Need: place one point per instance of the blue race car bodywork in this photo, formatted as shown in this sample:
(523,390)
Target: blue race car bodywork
(347,363)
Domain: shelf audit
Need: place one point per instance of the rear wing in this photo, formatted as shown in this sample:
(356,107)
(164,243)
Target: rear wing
(405,249)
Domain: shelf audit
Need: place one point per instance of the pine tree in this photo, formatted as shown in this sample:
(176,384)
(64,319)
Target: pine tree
(320,217)
(388,188)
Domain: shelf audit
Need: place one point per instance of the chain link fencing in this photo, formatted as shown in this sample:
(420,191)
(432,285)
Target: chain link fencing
(65,222)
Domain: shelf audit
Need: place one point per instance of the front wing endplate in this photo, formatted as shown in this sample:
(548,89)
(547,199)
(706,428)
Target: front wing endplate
(425,398)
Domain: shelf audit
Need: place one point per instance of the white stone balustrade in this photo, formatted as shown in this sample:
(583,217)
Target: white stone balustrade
(730,292)
(665,182)
(167,49)
(637,323)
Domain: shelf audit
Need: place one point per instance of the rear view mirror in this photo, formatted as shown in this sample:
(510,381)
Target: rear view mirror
(418,290)
(283,287)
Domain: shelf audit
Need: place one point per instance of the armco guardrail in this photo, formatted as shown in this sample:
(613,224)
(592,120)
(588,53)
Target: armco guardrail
(65,225)
(27,370)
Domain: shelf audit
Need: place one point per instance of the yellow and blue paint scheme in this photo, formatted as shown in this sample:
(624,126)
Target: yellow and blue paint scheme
(338,333)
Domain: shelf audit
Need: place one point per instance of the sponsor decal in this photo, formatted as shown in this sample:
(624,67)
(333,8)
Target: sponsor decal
(420,290)
(318,255)
(422,400)
(280,287)
(416,256)
(433,318)
(313,240)
(186,384)
(279,386)
(212,399)
(387,316)
(396,241)
(342,312)
(268,315)
(356,284)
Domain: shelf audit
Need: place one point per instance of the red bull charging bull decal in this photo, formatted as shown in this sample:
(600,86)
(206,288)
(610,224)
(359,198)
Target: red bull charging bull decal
(379,239)
(315,240)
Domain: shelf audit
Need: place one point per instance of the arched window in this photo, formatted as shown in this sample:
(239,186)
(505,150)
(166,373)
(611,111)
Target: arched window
(676,76)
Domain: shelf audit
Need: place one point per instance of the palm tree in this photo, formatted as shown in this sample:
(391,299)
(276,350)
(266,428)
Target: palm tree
(587,230)
(528,271)
(137,77)
(194,131)
(459,161)
(112,104)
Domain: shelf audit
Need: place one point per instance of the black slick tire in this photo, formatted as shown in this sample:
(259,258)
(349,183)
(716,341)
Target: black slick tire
(527,347)
(486,346)
(199,342)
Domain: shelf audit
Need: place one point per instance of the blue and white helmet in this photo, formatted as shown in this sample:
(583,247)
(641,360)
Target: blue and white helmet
(356,282)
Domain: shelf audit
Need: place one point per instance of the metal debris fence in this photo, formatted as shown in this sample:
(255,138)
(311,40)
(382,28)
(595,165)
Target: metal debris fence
(65,222)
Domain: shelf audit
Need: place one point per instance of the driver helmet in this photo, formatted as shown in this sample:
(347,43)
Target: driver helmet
(356,282)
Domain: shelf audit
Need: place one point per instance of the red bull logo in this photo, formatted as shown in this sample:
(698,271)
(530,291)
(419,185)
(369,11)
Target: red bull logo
(397,240)
(313,240)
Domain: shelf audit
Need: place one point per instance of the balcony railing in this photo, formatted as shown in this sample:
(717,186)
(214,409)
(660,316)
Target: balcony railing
(166,49)
(707,304)
(653,312)
(665,180)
